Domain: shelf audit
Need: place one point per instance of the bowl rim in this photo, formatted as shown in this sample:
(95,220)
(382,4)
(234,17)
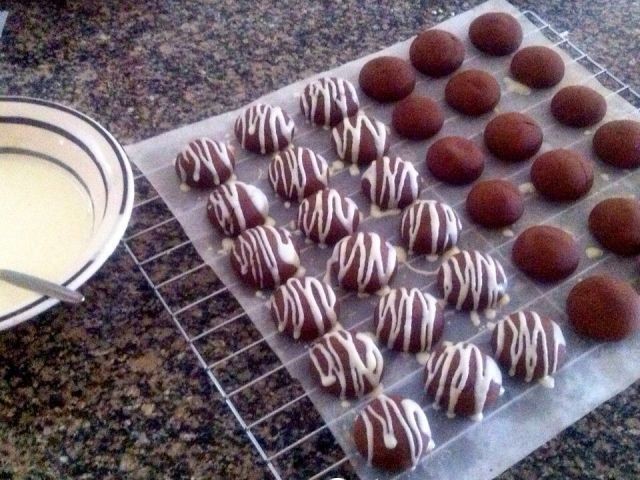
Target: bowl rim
(104,251)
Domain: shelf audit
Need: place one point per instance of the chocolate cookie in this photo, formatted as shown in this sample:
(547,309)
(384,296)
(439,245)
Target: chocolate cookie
(363,262)
(264,256)
(546,253)
(496,33)
(618,143)
(327,101)
(387,79)
(417,117)
(429,227)
(205,163)
(304,308)
(360,139)
(392,433)
(529,346)
(472,92)
(346,365)
(578,106)
(470,280)
(264,129)
(408,320)
(495,203)
(391,183)
(326,217)
(513,137)
(455,160)
(615,223)
(297,172)
(604,308)
(537,67)
(436,53)
(462,380)
(236,206)
(562,175)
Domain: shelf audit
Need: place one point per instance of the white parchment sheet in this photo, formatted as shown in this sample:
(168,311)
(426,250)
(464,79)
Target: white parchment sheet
(526,415)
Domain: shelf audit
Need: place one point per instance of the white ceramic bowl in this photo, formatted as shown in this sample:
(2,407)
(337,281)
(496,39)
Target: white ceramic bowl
(62,135)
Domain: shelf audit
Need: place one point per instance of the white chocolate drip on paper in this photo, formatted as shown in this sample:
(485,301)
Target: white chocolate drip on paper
(265,121)
(325,211)
(398,422)
(262,251)
(234,202)
(303,300)
(330,93)
(444,225)
(397,313)
(526,334)
(348,141)
(337,360)
(215,157)
(295,170)
(387,180)
(451,382)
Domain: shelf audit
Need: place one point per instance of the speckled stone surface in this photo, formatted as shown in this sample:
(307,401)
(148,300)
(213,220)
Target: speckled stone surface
(111,389)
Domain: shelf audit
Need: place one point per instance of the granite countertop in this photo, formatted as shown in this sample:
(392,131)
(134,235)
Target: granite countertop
(111,389)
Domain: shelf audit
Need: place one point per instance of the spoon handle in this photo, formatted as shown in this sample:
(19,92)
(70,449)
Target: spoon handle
(42,286)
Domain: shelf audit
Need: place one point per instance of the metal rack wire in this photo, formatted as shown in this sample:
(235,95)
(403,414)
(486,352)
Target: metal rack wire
(166,232)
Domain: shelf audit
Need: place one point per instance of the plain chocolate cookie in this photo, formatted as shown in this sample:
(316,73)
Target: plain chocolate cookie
(495,203)
(496,33)
(604,308)
(417,117)
(615,223)
(562,175)
(537,67)
(436,53)
(455,160)
(513,137)
(387,79)
(578,106)
(546,253)
(618,143)
(472,92)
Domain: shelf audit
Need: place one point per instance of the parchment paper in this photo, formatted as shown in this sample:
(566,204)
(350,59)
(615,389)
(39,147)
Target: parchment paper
(526,415)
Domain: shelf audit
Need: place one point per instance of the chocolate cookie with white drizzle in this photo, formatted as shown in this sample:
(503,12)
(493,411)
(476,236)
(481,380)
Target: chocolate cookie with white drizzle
(304,308)
(298,172)
(326,101)
(360,139)
(264,129)
(205,163)
(429,227)
(363,262)
(391,183)
(326,216)
(472,281)
(462,380)
(408,320)
(237,206)
(346,365)
(392,433)
(530,346)
(265,256)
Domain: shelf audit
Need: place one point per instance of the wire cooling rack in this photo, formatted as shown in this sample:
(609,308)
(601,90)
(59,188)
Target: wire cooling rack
(269,405)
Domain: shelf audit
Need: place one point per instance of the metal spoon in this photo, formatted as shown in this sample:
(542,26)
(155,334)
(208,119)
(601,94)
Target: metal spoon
(42,286)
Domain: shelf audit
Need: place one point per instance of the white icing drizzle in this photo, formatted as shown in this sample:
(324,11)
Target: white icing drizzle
(439,216)
(451,382)
(215,157)
(342,363)
(233,203)
(396,421)
(264,121)
(466,269)
(388,180)
(297,169)
(328,93)
(368,249)
(396,312)
(327,210)
(527,334)
(300,296)
(262,251)
(348,135)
